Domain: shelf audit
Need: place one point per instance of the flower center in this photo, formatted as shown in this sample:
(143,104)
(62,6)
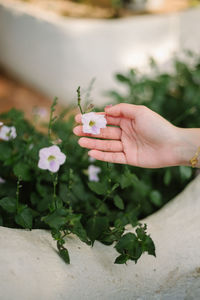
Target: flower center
(51,157)
(92,123)
(8,134)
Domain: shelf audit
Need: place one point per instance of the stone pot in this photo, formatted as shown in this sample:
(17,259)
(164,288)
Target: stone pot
(144,5)
(31,268)
(55,55)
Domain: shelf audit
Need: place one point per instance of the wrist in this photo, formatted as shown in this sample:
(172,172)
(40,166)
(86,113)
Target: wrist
(188,143)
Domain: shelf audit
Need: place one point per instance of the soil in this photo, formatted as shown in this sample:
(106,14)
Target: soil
(99,8)
(15,94)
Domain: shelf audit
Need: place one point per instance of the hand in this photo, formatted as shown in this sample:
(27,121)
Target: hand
(140,138)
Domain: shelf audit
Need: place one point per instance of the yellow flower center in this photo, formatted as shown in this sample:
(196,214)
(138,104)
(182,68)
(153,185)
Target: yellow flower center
(51,157)
(92,123)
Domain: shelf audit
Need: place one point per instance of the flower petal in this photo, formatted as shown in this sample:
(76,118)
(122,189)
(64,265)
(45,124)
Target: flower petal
(54,166)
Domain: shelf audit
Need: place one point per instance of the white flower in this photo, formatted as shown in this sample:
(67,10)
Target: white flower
(30,146)
(2,180)
(1,123)
(92,122)
(93,173)
(7,133)
(51,158)
(40,112)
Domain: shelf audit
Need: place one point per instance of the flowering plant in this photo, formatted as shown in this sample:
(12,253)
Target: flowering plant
(57,187)
(91,199)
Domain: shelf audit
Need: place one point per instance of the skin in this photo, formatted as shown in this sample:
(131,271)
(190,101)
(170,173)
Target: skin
(140,137)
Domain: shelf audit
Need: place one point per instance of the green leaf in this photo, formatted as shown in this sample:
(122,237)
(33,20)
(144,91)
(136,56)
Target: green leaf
(127,179)
(96,226)
(65,255)
(98,187)
(129,244)
(147,242)
(149,246)
(114,187)
(122,78)
(121,259)
(22,170)
(167,177)
(56,219)
(5,151)
(77,228)
(56,234)
(44,203)
(118,202)
(112,235)
(141,231)
(24,218)
(156,198)
(1,221)
(9,204)
(186,172)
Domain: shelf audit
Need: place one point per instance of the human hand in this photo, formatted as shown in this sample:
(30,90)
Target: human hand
(137,136)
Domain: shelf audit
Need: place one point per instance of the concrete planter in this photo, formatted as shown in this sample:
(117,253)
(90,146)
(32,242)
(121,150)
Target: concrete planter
(56,55)
(143,5)
(31,268)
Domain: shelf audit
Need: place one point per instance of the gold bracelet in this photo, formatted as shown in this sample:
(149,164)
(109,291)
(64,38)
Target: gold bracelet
(194,159)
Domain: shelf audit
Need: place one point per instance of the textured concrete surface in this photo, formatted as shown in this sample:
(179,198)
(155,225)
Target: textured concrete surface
(31,268)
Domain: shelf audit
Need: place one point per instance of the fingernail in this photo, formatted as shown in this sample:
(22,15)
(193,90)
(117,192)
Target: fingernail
(74,130)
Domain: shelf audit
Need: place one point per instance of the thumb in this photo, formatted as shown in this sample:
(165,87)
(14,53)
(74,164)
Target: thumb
(122,110)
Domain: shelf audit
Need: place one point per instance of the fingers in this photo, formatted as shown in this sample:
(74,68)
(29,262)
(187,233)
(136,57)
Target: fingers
(113,133)
(104,145)
(110,120)
(113,157)
(123,110)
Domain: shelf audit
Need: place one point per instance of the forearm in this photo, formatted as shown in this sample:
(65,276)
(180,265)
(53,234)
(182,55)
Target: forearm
(189,142)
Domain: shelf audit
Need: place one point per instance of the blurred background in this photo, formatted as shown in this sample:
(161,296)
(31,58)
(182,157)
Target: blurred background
(50,47)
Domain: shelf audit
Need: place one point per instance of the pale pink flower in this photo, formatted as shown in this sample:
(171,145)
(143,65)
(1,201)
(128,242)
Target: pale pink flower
(7,133)
(93,122)
(51,158)
(93,172)
(40,112)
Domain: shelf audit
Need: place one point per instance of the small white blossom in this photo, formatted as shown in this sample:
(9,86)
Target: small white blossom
(2,180)
(40,112)
(30,146)
(1,123)
(93,172)
(7,133)
(51,158)
(93,122)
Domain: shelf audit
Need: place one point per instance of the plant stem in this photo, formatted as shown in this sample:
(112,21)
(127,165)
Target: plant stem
(79,100)
(55,182)
(51,118)
(17,192)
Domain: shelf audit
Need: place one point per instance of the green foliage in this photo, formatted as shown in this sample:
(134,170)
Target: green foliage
(67,203)
(131,246)
(9,204)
